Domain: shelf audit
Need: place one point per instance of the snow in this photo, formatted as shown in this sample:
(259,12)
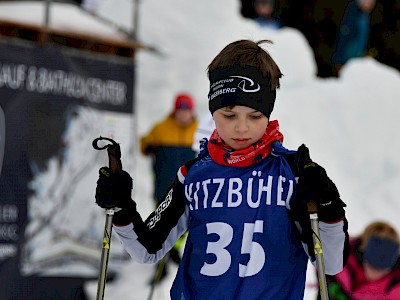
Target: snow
(349,123)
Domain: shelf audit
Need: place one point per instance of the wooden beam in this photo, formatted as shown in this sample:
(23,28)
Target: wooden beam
(31,32)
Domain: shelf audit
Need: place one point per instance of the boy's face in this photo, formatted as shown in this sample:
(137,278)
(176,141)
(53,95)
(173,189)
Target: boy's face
(240,126)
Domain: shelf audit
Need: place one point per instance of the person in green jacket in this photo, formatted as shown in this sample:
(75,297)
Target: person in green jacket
(169,144)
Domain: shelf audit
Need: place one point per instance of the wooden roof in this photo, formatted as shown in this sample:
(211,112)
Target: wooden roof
(31,32)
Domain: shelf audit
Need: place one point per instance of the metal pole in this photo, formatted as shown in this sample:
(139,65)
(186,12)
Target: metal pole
(114,163)
(105,254)
(47,14)
(157,275)
(319,254)
(135,20)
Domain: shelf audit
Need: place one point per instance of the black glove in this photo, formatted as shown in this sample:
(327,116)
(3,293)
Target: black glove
(315,185)
(113,190)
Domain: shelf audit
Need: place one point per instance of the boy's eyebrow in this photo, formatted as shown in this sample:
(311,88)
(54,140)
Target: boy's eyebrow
(229,109)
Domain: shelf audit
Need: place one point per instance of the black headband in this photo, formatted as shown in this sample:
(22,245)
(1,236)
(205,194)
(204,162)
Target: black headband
(238,85)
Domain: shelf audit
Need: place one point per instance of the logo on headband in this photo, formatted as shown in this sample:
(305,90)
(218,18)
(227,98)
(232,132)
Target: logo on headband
(227,86)
(247,82)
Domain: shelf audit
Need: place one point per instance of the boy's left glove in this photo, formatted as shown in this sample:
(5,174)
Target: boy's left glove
(315,185)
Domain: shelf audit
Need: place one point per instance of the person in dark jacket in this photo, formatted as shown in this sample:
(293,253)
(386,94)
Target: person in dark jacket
(353,33)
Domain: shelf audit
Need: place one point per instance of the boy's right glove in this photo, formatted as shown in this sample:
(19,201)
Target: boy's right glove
(114,191)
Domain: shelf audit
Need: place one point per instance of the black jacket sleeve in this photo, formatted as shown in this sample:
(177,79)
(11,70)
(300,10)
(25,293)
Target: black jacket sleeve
(148,241)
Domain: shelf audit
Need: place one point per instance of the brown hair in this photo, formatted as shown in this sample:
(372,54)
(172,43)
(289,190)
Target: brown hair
(248,53)
(381,229)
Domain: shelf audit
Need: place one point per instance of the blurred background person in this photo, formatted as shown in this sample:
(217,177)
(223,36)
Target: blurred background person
(373,269)
(169,144)
(319,21)
(354,31)
(264,10)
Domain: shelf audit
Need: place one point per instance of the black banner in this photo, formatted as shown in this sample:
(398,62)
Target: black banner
(53,102)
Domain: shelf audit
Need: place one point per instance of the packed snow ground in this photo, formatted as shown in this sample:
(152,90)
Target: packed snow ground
(349,123)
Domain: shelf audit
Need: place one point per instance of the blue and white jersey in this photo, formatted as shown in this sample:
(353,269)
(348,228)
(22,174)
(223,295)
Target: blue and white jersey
(241,243)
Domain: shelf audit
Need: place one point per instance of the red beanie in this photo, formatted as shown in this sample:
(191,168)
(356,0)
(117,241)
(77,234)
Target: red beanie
(183,101)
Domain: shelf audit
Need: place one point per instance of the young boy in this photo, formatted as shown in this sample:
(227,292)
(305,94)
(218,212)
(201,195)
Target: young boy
(247,221)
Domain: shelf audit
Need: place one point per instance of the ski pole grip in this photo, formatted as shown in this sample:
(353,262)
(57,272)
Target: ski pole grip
(114,158)
(114,153)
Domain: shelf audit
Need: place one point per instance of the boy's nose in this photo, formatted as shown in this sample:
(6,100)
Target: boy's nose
(241,126)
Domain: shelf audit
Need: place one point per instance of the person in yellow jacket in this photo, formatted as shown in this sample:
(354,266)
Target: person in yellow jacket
(169,143)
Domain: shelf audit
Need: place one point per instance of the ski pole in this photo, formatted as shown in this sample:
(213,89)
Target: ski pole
(115,165)
(319,254)
(157,275)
